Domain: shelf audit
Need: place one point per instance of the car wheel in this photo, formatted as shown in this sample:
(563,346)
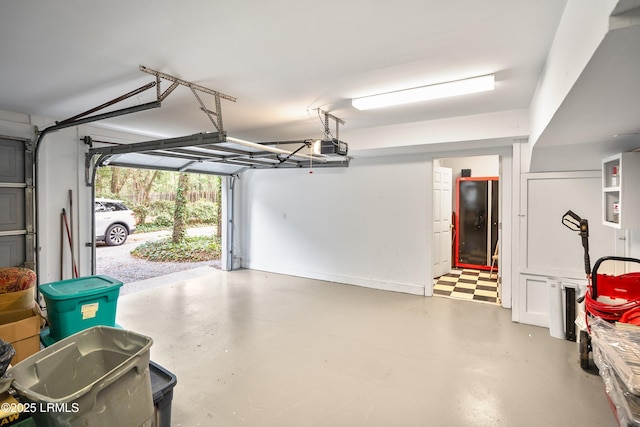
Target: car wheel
(116,235)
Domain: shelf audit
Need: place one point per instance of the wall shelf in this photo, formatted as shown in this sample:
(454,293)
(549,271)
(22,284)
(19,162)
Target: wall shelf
(620,195)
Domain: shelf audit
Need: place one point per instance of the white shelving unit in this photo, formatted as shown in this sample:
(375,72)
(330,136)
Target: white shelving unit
(621,191)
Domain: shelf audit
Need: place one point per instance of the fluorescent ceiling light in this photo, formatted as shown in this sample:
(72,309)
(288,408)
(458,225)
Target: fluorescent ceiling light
(424,93)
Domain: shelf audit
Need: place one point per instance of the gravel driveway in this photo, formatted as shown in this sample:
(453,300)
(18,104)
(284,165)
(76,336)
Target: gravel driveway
(117,262)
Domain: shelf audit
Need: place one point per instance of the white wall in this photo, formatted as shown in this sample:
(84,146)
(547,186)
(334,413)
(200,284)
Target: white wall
(363,225)
(438,133)
(634,244)
(582,28)
(580,157)
(60,170)
(479,165)
(547,250)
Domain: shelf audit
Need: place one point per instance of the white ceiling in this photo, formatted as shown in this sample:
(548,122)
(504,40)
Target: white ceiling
(281,59)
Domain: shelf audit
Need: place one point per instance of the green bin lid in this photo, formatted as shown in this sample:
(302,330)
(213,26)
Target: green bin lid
(80,287)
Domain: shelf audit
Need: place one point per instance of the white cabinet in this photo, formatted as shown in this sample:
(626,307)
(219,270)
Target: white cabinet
(621,191)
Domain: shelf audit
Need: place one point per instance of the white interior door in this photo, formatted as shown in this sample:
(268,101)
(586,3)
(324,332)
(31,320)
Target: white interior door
(442,199)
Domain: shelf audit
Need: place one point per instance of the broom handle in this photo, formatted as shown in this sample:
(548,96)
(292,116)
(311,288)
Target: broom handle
(73,260)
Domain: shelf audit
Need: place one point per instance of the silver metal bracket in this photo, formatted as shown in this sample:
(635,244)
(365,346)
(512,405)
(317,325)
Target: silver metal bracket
(214,115)
(325,122)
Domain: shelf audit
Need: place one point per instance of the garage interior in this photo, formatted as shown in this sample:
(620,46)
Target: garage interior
(325,311)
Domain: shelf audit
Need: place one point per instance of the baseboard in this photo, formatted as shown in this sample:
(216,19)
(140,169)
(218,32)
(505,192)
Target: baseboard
(407,288)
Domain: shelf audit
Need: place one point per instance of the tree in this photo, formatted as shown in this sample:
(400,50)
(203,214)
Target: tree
(115,180)
(119,177)
(180,213)
(147,187)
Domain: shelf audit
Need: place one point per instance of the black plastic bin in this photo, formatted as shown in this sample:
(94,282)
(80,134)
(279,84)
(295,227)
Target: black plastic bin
(162,384)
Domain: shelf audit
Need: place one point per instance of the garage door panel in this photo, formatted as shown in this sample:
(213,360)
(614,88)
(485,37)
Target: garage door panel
(16,215)
(12,215)
(12,250)
(11,161)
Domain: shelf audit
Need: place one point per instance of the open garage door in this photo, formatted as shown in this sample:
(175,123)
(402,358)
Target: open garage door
(16,204)
(215,154)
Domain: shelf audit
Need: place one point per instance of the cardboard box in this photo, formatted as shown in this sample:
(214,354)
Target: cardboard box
(21,328)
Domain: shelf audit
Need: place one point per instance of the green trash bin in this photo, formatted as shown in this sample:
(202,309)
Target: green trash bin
(97,377)
(77,304)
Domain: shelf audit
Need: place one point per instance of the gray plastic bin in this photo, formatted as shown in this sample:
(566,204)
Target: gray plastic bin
(162,384)
(97,377)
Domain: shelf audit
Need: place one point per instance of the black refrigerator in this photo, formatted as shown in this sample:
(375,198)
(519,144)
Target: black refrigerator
(476,222)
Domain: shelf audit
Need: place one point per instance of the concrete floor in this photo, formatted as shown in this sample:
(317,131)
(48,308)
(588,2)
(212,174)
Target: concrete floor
(260,349)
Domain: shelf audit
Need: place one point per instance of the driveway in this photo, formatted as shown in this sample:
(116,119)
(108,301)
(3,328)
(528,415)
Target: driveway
(117,262)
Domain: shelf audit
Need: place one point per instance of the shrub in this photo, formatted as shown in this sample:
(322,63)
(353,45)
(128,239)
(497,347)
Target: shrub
(163,220)
(159,207)
(141,212)
(191,249)
(149,227)
(202,212)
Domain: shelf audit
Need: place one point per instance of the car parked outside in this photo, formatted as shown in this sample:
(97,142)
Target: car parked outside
(114,221)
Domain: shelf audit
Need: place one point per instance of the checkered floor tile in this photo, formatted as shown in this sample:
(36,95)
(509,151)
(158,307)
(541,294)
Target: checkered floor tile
(471,285)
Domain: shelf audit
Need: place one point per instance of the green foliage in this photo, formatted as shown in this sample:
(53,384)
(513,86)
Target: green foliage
(106,194)
(198,214)
(161,213)
(149,227)
(160,207)
(103,179)
(164,220)
(141,212)
(202,212)
(190,249)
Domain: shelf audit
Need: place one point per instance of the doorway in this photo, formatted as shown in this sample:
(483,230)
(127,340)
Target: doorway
(147,249)
(466,259)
